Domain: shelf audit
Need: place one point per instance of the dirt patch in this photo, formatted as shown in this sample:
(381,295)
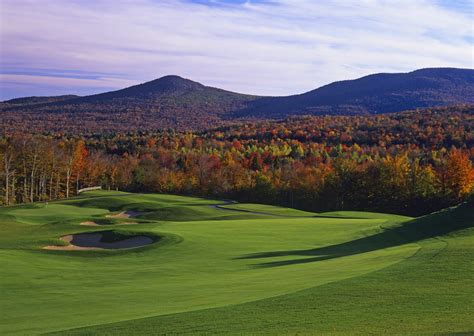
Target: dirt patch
(125,214)
(95,241)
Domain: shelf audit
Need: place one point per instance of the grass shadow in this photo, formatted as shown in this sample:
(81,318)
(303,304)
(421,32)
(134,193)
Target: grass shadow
(429,226)
(224,207)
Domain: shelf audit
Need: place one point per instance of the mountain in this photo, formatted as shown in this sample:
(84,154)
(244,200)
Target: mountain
(373,94)
(167,102)
(175,102)
(171,92)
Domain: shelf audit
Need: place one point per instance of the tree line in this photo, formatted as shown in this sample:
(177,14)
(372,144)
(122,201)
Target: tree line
(319,176)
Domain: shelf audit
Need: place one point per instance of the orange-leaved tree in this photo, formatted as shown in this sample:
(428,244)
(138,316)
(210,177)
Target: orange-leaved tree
(457,174)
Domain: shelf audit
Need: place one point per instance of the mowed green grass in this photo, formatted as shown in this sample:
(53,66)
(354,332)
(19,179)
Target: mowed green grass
(254,269)
(268,209)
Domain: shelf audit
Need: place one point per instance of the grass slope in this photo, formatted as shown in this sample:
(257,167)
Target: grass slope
(259,270)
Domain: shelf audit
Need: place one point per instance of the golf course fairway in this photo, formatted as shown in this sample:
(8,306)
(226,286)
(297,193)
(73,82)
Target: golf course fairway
(218,267)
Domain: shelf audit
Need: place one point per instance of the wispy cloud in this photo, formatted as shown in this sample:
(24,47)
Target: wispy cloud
(261,47)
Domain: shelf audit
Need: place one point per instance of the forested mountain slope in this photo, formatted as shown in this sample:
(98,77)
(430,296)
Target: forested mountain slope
(175,102)
(374,94)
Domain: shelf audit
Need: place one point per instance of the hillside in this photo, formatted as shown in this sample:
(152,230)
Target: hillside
(426,128)
(175,102)
(28,101)
(167,102)
(169,93)
(373,94)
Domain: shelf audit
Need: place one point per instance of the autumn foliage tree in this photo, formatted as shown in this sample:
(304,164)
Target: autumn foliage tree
(386,163)
(457,175)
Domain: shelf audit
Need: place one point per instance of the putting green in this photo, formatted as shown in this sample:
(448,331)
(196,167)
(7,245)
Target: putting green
(208,259)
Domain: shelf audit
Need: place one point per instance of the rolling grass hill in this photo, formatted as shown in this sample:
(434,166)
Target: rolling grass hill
(227,268)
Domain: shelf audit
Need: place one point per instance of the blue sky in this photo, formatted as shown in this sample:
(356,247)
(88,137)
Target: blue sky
(273,47)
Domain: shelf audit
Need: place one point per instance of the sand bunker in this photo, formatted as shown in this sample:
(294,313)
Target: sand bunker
(125,214)
(93,241)
(90,223)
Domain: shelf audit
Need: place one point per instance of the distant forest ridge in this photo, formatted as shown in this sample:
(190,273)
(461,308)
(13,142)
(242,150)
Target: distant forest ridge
(182,104)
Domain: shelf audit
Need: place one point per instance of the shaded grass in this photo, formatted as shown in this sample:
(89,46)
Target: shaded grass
(437,224)
(268,209)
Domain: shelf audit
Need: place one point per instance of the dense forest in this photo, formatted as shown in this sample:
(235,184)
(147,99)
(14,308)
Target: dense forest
(412,162)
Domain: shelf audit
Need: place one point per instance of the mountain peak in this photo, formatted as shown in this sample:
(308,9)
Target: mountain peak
(173,83)
(173,78)
(170,85)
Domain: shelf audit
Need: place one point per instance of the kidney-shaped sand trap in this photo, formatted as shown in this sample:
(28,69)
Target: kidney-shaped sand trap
(104,240)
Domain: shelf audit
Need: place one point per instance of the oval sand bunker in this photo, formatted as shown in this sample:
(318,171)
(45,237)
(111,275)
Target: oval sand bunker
(97,241)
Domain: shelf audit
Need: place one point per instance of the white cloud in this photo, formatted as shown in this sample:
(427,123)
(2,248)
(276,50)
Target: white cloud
(284,47)
(101,82)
